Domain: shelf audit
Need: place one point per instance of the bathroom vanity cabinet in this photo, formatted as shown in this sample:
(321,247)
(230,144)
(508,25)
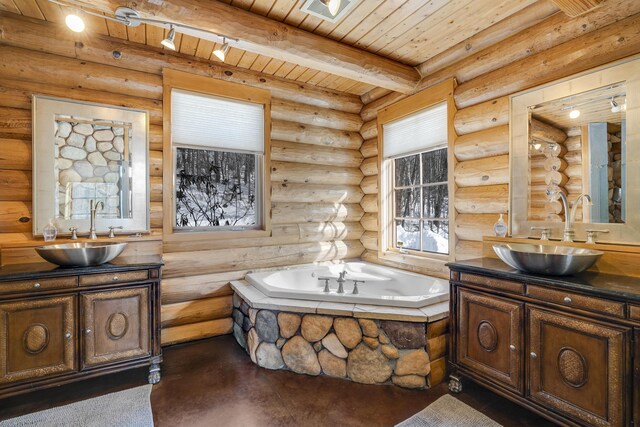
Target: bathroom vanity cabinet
(562,347)
(59,325)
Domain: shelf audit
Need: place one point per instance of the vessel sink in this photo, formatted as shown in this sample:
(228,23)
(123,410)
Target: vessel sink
(547,259)
(81,254)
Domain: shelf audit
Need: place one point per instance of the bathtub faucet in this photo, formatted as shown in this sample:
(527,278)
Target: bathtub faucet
(341,281)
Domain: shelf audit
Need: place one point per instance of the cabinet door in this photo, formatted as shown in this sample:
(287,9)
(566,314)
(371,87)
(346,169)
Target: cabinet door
(36,338)
(490,339)
(578,367)
(115,325)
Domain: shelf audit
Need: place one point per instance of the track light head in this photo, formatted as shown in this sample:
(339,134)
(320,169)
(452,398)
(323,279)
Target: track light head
(221,53)
(74,22)
(332,5)
(169,41)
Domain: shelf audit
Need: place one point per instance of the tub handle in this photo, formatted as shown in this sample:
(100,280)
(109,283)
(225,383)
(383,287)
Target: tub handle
(326,284)
(355,286)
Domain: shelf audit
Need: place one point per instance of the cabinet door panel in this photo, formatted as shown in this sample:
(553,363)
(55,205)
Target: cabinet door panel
(116,325)
(491,338)
(578,367)
(36,338)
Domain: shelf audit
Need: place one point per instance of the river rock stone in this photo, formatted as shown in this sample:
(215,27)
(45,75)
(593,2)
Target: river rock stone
(315,327)
(76,140)
(268,356)
(289,324)
(83,129)
(64,163)
(64,129)
(332,365)
(101,171)
(97,159)
(239,335)
(280,342)
(112,177)
(405,335)
(369,327)
(317,346)
(69,175)
(237,317)
(371,342)
(384,339)
(252,315)
(348,331)
(252,344)
(244,308)
(409,381)
(118,144)
(246,324)
(118,130)
(390,351)
(112,155)
(368,366)
(236,300)
(103,135)
(72,153)
(90,144)
(333,344)
(104,146)
(413,363)
(267,326)
(299,356)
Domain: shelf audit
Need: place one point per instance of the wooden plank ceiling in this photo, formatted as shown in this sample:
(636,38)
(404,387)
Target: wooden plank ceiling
(408,31)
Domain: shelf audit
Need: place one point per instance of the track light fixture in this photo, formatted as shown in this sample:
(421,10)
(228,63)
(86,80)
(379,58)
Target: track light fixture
(221,53)
(169,41)
(615,107)
(332,5)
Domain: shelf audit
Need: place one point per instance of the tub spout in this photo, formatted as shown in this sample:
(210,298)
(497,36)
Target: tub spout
(341,281)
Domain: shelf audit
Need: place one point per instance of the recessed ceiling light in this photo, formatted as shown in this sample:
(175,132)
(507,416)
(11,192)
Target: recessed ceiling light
(332,5)
(74,22)
(574,114)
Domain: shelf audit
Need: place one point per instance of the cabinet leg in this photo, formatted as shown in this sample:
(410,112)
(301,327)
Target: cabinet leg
(455,384)
(154,372)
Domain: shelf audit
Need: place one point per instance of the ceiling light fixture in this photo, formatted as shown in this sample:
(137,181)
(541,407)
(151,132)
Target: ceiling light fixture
(615,107)
(74,22)
(221,53)
(169,41)
(332,5)
(574,114)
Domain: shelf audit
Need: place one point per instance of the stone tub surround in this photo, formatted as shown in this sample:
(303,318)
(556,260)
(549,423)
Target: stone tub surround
(409,354)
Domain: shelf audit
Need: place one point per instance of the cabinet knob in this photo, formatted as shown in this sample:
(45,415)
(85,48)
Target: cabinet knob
(568,300)
(87,331)
(67,335)
(36,285)
(512,347)
(533,355)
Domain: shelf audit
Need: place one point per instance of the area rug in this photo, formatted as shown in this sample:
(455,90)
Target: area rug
(449,412)
(130,408)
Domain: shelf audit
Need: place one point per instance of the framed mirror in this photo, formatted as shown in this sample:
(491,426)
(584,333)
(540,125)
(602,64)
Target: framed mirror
(578,137)
(86,152)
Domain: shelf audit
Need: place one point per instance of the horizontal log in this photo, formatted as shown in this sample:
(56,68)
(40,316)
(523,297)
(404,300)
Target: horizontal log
(573,157)
(555,177)
(15,185)
(485,199)
(318,174)
(315,135)
(155,188)
(370,203)
(582,53)
(155,214)
(155,137)
(22,64)
(319,155)
(369,129)
(574,185)
(373,94)
(312,115)
(369,166)
(369,148)
(484,143)
(573,143)
(574,170)
(17,94)
(287,213)
(190,288)
(467,249)
(475,226)
(487,171)
(370,240)
(482,116)
(196,331)
(15,154)
(15,121)
(545,132)
(369,221)
(370,110)
(554,164)
(321,193)
(37,34)
(370,184)
(15,217)
(201,310)
(155,163)
(203,262)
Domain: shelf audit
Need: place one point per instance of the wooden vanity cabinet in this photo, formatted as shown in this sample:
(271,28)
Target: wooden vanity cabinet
(545,350)
(107,322)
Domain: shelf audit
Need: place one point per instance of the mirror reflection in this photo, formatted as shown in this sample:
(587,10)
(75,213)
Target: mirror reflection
(577,145)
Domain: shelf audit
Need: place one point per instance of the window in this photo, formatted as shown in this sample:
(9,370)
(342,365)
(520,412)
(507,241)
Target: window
(219,155)
(415,174)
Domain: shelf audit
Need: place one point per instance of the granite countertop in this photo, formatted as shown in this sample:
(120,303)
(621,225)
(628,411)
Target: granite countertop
(618,287)
(45,269)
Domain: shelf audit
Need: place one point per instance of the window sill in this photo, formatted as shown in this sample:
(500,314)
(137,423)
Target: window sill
(431,262)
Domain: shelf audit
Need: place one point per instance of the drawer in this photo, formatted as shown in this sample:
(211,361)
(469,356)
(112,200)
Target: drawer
(490,282)
(634,312)
(115,277)
(38,284)
(583,302)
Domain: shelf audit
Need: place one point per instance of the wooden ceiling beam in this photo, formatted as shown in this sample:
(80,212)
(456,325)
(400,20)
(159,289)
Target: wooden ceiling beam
(265,36)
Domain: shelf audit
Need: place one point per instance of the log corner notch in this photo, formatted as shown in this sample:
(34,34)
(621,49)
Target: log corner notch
(264,36)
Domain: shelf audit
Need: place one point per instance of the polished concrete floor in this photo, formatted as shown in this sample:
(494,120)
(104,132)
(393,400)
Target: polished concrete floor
(213,383)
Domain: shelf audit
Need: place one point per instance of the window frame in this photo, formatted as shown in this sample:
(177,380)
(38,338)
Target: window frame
(173,79)
(430,97)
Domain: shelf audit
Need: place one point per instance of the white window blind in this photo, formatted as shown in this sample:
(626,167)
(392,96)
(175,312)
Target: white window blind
(215,122)
(416,132)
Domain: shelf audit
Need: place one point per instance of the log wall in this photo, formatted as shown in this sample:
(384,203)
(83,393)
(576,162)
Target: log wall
(485,81)
(316,161)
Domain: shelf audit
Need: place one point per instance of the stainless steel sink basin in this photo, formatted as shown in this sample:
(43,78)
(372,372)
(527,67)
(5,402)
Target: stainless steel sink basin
(547,259)
(81,254)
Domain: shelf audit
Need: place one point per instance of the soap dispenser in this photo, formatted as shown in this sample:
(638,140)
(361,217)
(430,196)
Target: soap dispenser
(49,231)
(500,228)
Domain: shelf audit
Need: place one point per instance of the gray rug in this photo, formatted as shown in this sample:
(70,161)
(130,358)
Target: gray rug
(127,408)
(449,412)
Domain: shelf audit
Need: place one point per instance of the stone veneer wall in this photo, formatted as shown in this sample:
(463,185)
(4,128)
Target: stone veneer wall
(407,354)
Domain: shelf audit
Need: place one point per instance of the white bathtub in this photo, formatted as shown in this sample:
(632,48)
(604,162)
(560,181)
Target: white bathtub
(382,286)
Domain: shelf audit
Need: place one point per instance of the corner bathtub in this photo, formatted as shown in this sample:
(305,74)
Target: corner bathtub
(383,285)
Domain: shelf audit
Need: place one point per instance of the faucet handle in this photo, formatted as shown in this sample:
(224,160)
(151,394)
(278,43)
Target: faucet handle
(545,232)
(74,233)
(592,234)
(326,284)
(111,232)
(355,286)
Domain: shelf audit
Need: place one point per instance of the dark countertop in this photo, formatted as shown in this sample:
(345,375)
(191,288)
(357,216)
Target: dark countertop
(45,269)
(623,288)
